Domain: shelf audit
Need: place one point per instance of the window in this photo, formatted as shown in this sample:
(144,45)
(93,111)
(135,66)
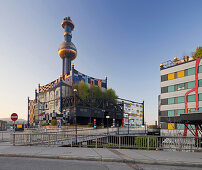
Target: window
(181,86)
(171,100)
(191,84)
(180,111)
(200,69)
(180,99)
(191,71)
(200,83)
(164,89)
(191,98)
(193,109)
(171,88)
(200,97)
(171,113)
(164,77)
(164,101)
(180,74)
(191,127)
(180,126)
(171,76)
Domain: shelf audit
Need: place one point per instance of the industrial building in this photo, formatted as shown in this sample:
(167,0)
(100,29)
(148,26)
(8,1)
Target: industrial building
(181,91)
(59,101)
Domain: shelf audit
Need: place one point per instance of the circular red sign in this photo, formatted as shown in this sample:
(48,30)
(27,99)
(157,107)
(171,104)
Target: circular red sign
(14,117)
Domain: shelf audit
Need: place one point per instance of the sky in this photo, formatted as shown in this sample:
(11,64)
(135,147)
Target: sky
(125,40)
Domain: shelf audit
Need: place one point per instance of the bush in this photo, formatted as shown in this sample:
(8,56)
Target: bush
(53,122)
(90,124)
(141,142)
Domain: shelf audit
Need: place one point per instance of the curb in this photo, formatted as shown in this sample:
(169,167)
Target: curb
(151,162)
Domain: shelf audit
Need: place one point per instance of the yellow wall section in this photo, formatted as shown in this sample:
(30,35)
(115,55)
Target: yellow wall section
(19,126)
(180,74)
(171,76)
(171,126)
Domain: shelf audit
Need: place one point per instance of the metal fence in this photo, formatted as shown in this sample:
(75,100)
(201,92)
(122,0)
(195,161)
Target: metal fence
(109,141)
(4,136)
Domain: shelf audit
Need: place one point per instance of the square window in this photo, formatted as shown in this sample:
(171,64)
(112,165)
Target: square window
(180,126)
(191,85)
(200,69)
(171,113)
(200,83)
(181,86)
(191,98)
(171,100)
(180,111)
(191,71)
(200,97)
(180,99)
(171,88)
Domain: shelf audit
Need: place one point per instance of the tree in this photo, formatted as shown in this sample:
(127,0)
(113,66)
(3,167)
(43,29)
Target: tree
(110,94)
(85,91)
(82,89)
(198,53)
(95,91)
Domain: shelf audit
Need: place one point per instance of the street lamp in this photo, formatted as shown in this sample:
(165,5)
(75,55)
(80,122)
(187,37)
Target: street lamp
(75,90)
(107,117)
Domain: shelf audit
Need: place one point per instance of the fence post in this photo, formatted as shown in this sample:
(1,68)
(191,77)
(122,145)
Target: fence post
(30,138)
(71,140)
(96,142)
(119,141)
(48,139)
(147,142)
(13,139)
(41,139)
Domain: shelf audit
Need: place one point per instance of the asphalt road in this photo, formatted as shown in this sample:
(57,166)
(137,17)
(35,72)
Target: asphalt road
(12,163)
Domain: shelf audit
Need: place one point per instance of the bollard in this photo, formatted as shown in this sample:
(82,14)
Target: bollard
(147,142)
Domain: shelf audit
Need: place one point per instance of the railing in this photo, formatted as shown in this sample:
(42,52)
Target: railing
(110,141)
(4,136)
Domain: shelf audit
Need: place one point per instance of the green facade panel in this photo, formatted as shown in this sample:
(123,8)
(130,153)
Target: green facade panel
(171,100)
(191,71)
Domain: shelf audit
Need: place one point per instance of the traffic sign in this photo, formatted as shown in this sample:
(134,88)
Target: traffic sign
(14,116)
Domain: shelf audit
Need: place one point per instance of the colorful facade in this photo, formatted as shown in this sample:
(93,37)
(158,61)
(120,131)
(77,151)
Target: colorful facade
(133,114)
(47,104)
(181,89)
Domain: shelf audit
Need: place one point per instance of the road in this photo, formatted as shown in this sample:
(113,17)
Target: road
(13,163)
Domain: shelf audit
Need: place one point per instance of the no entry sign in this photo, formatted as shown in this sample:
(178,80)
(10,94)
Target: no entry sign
(14,117)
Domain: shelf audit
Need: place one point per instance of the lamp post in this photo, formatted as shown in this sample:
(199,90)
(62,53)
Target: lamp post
(75,90)
(107,124)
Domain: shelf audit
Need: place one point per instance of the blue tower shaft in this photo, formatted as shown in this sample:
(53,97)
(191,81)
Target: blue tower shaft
(67,60)
(66,65)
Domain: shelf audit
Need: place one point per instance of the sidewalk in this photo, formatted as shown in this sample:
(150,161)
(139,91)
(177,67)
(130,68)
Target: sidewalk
(109,155)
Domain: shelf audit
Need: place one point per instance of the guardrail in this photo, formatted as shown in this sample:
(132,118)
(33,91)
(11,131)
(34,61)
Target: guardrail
(110,141)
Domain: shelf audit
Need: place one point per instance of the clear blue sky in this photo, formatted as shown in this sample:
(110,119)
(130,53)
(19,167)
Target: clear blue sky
(123,39)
